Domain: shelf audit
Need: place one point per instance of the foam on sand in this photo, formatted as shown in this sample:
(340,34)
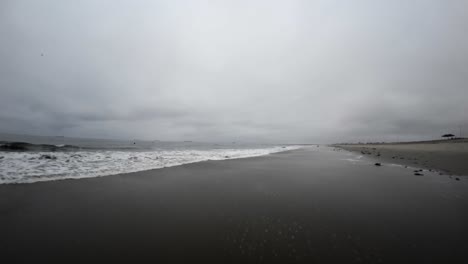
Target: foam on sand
(29,167)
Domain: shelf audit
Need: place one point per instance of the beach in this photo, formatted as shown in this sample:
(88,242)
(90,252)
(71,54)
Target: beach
(312,205)
(446,156)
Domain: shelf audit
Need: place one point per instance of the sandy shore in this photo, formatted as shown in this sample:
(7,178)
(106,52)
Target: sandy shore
(306,206)
(447,156)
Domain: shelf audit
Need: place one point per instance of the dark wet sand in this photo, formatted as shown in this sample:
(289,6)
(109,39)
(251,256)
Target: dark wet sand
(305,206)
(446,156)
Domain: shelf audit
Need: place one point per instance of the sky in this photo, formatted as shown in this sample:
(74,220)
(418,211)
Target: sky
(256,71)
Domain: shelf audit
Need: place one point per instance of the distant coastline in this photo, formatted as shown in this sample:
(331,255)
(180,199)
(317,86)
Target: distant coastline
(447,156)
(434,141)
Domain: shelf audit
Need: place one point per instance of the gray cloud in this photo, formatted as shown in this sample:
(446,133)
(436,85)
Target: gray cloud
(270,71)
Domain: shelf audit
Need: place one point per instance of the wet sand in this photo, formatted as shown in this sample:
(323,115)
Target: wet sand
(446,156)
(312,205)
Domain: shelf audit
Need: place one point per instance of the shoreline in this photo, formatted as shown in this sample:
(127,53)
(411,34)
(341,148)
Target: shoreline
(445,156)
(47,178)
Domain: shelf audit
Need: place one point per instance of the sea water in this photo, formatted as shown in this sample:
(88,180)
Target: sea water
(28,159)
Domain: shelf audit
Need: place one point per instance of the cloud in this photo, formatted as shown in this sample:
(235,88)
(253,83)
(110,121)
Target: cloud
(270,71)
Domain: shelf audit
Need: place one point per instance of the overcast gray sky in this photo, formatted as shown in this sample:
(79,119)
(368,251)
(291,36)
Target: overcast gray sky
(270,71)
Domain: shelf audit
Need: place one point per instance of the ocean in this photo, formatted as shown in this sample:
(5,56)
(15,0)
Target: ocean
(28,159)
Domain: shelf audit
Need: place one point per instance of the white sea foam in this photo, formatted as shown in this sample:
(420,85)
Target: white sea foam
(29,167)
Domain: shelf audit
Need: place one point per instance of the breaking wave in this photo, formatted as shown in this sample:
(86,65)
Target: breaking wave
(28,163)
(23,146)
